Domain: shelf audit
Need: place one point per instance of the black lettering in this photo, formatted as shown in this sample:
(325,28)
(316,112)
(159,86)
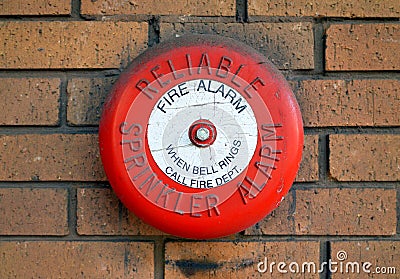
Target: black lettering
(172,93)
(222,164)
(237,143)
(229,158)
(169,170)
(180,162)
(168,101)
(161,106)
(186,166)
(177,160)
(220,89)
(209,86)
(170,149)
(183,87)
(239,108)
(201,85)
(231,94)
(234,150)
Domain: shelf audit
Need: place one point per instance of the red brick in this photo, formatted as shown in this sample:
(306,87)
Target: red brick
(346,212)
(320,8)
(382,255)
(386,101)
(85,99)
(279,222)
(50,157)
(332,212)
(161,7)
(100,213)
(333,103)
(287,45)
(364,157)
(90,44)
(35,7)
(236,260)
(363,47)
(33,211)
(75,259)
(326,103)
(309,163)
(29,101)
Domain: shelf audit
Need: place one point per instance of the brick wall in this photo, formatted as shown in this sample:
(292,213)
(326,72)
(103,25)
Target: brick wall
(58,61)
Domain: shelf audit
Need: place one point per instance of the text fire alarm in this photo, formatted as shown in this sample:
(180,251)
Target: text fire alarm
(201,137)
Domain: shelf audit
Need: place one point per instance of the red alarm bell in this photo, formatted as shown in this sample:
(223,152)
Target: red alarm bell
(201,137)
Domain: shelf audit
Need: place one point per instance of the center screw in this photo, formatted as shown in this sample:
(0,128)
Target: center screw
(202,134)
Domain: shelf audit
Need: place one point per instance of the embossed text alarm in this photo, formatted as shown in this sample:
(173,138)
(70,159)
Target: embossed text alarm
(201,137)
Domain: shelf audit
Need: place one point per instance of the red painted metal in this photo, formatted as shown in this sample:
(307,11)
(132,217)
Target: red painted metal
(162,198)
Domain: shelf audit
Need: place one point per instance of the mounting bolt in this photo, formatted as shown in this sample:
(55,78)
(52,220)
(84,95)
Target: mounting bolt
(202,134)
